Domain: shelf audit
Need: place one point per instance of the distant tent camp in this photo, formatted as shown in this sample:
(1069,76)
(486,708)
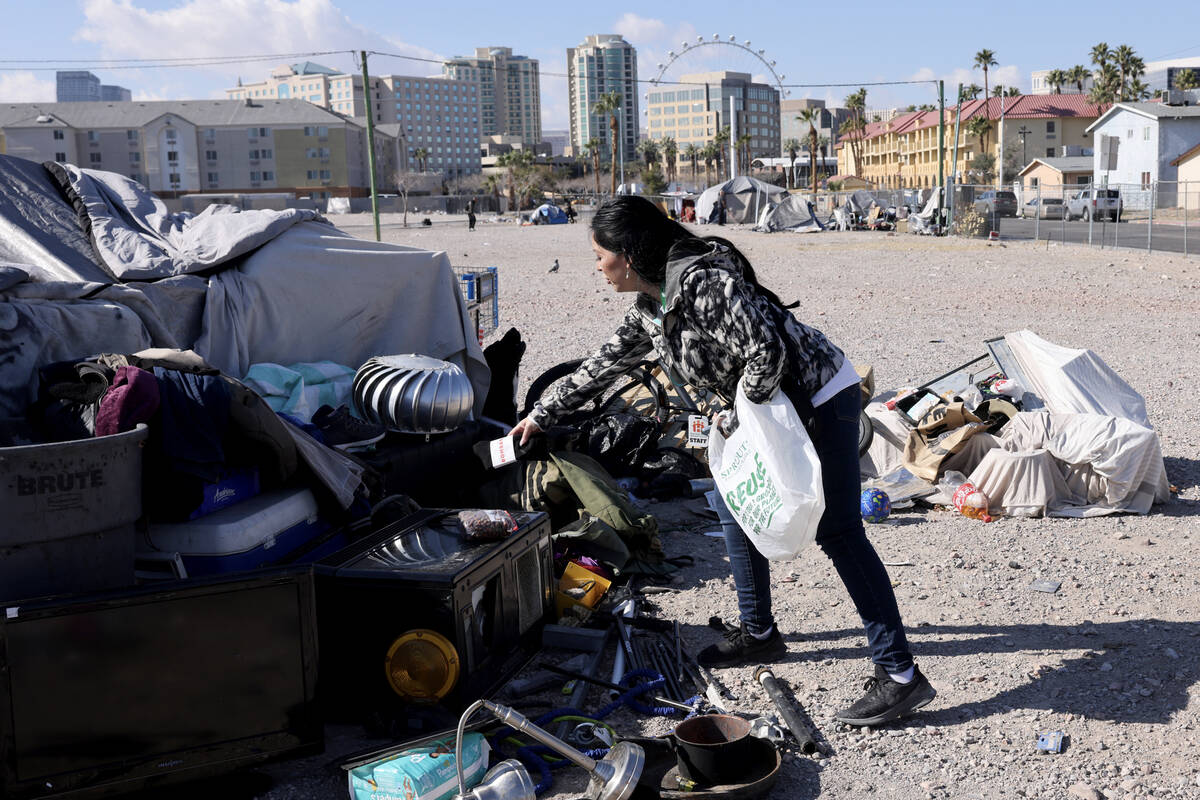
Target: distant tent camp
(794,213)
(745,198)
(549,214)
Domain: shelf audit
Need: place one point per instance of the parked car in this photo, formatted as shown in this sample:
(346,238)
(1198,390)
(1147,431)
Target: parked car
(1002,203)
(1044,207)
(1088,203)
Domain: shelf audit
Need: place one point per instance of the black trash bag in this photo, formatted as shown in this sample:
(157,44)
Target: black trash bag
(622,443)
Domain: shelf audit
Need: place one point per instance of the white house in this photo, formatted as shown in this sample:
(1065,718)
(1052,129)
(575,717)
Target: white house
(1135,145)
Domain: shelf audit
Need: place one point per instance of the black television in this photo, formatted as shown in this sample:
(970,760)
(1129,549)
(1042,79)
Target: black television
(159,684)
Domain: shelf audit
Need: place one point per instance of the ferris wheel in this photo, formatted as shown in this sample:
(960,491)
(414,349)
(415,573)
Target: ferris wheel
(687,49)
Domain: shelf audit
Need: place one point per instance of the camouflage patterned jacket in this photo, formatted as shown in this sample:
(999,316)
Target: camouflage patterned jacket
(712,328)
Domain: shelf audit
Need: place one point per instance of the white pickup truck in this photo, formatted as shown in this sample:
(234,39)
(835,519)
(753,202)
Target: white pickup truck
(1099,203)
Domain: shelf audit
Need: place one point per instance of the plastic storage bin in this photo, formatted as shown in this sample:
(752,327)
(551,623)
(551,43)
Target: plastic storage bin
(257,532)
(68,514)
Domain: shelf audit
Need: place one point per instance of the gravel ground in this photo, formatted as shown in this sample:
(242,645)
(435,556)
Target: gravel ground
(1112,659)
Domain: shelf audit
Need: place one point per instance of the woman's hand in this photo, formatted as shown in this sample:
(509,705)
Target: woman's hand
(525,429)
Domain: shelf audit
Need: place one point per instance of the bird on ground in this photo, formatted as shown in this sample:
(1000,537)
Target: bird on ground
(555,267)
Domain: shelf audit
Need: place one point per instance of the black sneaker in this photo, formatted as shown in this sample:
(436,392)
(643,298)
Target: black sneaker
(887,700)
(741,647)
(343,431)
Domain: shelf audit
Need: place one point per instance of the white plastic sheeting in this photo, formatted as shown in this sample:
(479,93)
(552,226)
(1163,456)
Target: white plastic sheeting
(1072,381)
(1107,465)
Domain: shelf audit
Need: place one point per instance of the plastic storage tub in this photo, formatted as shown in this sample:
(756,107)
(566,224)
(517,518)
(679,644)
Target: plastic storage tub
(68,514)
(253,533)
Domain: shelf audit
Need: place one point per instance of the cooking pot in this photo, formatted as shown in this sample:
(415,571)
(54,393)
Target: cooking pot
(713,749)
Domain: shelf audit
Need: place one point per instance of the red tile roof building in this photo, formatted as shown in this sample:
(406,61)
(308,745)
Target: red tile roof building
(903,152)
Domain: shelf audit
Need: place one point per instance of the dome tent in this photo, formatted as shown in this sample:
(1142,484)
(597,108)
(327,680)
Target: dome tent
(745,198)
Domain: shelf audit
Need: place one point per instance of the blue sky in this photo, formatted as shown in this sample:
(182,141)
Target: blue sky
(864,46)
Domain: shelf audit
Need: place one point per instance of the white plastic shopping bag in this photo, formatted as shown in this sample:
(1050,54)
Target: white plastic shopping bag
(769,475)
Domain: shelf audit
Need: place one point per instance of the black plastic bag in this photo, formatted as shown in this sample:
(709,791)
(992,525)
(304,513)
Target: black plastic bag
(622,443)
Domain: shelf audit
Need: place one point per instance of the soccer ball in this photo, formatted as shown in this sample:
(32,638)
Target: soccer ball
(874,505)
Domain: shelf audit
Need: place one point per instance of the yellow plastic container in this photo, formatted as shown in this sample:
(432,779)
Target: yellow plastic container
(575,576)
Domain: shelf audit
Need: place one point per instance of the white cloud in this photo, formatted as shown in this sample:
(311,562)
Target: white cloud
(25,87)
(207,28)
(641,29)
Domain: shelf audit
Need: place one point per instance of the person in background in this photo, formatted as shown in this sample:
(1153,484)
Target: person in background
(698,305)
(721,208)
(471,214)
(571,214)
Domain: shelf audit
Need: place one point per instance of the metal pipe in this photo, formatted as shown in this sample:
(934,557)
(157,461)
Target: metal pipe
(1150,222)
(776,691)
(520,723)
(605,684)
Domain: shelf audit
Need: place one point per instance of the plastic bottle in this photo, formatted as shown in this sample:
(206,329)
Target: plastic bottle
(966,497)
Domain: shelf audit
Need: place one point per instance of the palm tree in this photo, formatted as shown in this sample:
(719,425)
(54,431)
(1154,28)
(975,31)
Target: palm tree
(693,154)
(1077,75)
(1123,60)
(592,149)
(719,142)
(810,117)
(743,148)
(610,103)
(491,184)
(1100,54)
(709,153)
(1186,80)
(856,126)
(792,147)
(649,150)
(422,157)
(972,92)
(1138,90)
(985,59)
(515,161)
(670,154)
(1056,78)
(1106,86)
(980,127)
(1012,91)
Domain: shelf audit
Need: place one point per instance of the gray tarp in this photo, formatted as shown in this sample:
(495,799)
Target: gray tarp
(137,238)
(793,213)
(288,292)
(745,198)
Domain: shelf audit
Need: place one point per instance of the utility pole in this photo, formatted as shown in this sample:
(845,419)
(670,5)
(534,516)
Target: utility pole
(370,143)
(732,137)
(954,157)
(941,148)
(1000,146)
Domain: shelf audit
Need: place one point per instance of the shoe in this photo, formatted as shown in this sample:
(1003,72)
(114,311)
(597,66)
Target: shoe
(343,431)
(887,700)
(741,647)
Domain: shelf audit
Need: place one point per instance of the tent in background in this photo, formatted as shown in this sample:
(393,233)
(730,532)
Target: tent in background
(745,198)
(794,213)
(548,214)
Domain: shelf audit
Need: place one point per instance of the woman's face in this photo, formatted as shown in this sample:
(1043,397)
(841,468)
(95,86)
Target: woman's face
(615,269)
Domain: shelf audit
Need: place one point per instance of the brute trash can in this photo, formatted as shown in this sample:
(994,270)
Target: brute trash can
(68,514)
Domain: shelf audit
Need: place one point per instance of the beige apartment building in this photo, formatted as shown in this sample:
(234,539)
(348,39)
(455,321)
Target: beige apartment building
(510,95)
(204,146)
(437,115)
(903,151)
(692,111)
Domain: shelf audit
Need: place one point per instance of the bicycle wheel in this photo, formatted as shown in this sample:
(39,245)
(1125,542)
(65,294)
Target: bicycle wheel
(610,401)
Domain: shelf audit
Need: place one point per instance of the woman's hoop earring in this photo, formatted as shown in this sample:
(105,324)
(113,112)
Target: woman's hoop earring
(626,274)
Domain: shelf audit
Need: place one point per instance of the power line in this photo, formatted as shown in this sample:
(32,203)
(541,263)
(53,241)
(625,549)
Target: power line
(180,63)
(154,63)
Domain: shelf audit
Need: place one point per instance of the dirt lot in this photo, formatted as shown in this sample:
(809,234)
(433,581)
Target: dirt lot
(1112,659)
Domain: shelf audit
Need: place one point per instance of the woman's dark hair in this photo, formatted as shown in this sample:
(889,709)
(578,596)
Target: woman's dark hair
(636,228)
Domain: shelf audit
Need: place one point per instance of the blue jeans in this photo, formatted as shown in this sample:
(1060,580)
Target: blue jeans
(840,534)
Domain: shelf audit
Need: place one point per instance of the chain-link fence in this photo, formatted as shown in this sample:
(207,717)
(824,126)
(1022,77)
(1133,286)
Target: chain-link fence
(1155,215)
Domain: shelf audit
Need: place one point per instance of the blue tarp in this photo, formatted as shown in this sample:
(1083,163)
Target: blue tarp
(547,214)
